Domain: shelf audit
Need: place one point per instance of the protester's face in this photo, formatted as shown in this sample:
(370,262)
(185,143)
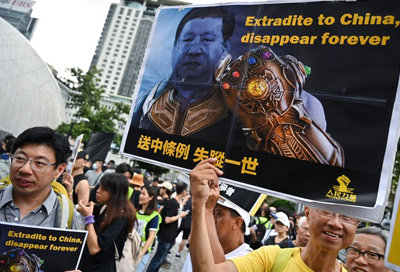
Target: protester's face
(366,242)
(79,163)
(304,234)
(329,233)
(102,195)
(280,228)
(128,175)
(99,164)
(144,197)
(224,223)
(198,50)
(28,182)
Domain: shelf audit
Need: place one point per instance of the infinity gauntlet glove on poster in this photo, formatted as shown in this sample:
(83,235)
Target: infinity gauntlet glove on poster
(265,91)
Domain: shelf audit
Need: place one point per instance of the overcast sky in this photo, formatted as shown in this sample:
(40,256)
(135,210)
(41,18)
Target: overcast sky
(67,33)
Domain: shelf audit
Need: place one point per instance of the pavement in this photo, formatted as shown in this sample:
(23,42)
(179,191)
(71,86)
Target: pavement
(176,263)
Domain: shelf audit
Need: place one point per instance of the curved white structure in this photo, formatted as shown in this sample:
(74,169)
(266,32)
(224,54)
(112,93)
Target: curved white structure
(29,93)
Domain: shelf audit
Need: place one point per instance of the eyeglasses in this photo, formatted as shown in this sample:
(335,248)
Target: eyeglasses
(369,256)
(36,165)
(344,218)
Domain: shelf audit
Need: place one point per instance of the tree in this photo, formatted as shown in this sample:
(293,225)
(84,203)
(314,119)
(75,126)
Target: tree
(284,203)
(85,96)
(156,170)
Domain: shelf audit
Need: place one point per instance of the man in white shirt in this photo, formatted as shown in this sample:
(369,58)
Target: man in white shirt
(226,225)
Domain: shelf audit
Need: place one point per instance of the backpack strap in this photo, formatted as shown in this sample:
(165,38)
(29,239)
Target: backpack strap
(5,181)
(268,224)
(116,256)
(97,180)
(67,211)
(282,259)
(137,241)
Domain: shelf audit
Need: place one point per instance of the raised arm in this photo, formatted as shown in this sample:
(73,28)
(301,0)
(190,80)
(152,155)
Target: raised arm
(203,178)
(217,250)
(83,191)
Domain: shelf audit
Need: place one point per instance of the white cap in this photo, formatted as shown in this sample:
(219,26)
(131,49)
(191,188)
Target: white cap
(283,218)
(245,215)
(166,185)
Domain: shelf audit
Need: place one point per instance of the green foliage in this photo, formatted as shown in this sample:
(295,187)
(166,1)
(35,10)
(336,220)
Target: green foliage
(86,98)
(284,203)
(118,140)
(395,178)
(156,170)
(85,94)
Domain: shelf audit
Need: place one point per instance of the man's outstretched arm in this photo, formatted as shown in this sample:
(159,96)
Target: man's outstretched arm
(203,178)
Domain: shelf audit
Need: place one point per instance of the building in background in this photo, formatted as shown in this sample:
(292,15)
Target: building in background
(18,14)
(121,47)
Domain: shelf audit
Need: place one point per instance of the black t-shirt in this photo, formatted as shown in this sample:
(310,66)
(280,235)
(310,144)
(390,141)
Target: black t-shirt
(77,179)
(92,195)
(135,198)
(104,261)
(168,232)
(163,202)
(186,222)
(286,243)
(271,241)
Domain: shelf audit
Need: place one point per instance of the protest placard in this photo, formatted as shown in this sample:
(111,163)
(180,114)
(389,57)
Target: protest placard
(75,151)
(296,100)
(33,248)
(249,201)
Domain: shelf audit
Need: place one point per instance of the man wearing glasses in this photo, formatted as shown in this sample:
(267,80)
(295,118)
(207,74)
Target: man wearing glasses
(329,233)
(38,157)
(366,253)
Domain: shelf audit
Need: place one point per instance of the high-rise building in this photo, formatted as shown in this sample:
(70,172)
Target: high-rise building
(121,47)
(18,14)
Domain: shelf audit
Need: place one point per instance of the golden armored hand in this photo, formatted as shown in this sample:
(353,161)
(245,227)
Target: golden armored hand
(264,91)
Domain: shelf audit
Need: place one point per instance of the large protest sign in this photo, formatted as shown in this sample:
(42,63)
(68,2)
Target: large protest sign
(297,100)
(32,248)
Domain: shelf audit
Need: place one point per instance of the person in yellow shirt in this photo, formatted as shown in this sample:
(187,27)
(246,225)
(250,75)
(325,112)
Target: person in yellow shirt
(329,233)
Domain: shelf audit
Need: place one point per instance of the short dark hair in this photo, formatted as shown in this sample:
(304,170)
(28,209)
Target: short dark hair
(124,167)
(228,20)
(111,164)
(10,144)
(8,137)
(180,187)
(44,136)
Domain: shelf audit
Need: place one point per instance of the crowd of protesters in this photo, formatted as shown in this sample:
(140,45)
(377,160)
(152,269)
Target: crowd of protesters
(117,199)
